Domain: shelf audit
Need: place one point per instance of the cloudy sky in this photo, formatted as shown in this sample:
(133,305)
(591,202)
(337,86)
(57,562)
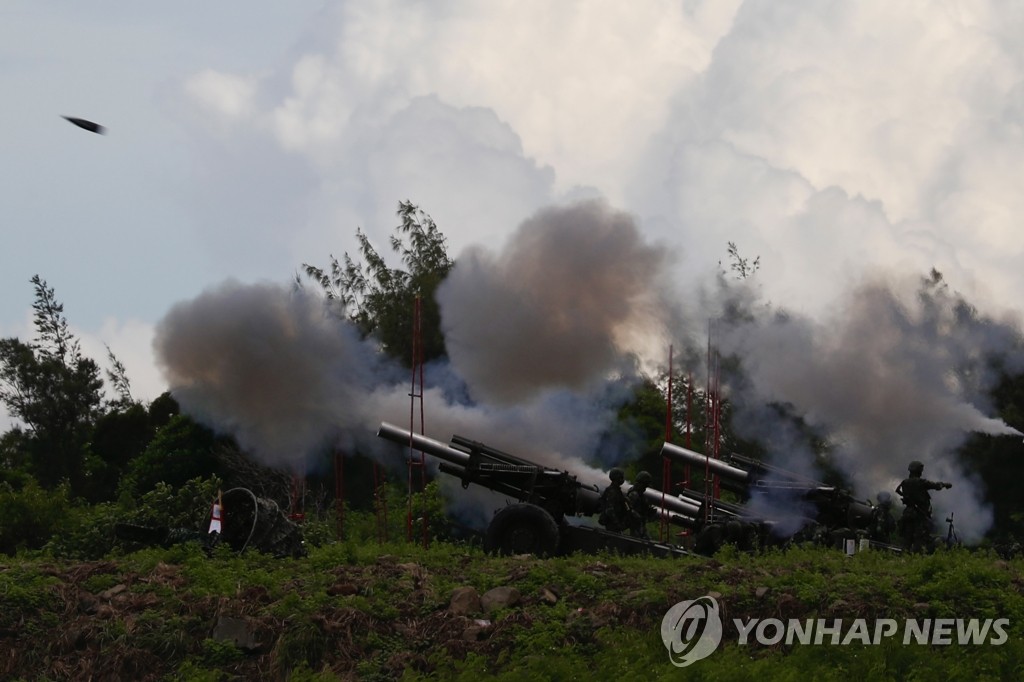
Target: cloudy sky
(835,141)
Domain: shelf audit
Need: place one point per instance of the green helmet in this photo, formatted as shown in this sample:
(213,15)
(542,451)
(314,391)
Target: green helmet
(617,475)
(643,478)
(915,467)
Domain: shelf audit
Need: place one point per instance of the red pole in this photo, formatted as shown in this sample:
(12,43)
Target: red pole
(689,425)
(416,394)
(298,512)
(708,407)
(380,504)
(339,493)
(423,463)
(666,463)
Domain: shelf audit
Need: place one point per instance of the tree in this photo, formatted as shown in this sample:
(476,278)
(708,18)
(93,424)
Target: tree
(379,299)
(119,436)
(53,390)
(180,451)
(118,377)
(741,266)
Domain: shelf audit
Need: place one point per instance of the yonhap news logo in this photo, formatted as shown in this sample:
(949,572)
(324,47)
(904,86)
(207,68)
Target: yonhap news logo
(692,630)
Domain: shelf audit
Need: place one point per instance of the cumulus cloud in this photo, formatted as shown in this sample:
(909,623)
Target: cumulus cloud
(824,138)
(227,95)
(854,137)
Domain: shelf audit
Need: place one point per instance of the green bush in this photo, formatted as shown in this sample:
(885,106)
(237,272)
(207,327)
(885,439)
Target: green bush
(88,532)
(180,451)
(29,516)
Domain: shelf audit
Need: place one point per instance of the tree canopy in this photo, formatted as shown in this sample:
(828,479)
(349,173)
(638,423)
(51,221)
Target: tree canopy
(379,299)
(53,389)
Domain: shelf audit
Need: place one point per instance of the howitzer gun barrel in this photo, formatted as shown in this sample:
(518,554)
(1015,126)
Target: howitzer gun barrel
(720,506)
(677,519)
(471,447)
(715,466)
(430,446)
(672,503)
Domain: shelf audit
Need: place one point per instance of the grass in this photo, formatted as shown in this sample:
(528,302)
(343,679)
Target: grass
(379,612)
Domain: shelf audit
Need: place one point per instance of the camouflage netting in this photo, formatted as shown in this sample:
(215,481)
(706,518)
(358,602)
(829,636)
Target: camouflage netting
(257,522)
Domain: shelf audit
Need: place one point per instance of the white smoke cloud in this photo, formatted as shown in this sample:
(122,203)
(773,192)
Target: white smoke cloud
(897,372)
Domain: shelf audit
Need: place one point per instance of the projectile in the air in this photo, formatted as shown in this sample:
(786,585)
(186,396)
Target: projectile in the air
(86,125)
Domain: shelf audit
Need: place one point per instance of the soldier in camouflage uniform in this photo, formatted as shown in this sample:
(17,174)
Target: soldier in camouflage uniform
(640,509)
(614,510)
(915,526)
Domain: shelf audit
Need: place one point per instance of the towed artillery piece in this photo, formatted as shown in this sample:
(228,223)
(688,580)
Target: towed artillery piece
(542,502)
(776,507)
(779,507)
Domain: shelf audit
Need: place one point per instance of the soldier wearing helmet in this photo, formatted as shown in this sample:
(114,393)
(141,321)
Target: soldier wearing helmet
(614,510)
(641,510)
(915,525)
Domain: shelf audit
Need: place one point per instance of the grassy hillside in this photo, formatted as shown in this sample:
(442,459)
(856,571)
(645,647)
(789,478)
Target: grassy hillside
(373,612)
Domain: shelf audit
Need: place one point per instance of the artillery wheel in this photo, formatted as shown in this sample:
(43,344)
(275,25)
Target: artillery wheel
(522,529)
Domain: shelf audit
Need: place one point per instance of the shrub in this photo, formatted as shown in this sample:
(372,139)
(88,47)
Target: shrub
(30,516)
(88,532)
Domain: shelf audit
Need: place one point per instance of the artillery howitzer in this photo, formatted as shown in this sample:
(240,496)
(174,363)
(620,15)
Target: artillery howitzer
(541,500)
(779,506)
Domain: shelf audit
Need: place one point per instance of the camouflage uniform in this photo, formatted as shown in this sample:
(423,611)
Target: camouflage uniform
(640,509)
(915,526)
(614,510)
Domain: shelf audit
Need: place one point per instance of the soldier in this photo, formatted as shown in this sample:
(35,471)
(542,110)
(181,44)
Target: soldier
(915,525)
(640,509)
(612,505)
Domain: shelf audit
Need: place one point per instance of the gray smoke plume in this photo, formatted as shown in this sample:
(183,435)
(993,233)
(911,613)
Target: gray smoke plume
(572,294)
(272,366)
(889,377)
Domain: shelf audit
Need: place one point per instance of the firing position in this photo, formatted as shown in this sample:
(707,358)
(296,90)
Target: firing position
(915,526)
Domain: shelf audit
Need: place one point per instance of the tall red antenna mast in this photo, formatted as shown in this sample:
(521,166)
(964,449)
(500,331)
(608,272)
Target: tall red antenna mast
(416,398)
(380,502)
(712,432)
(339,493)
(666,462)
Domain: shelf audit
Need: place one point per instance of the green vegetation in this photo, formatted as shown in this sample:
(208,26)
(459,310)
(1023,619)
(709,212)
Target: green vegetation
(357,609)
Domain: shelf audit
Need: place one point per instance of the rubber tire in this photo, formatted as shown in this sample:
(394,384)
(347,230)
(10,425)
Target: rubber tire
(522,528)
